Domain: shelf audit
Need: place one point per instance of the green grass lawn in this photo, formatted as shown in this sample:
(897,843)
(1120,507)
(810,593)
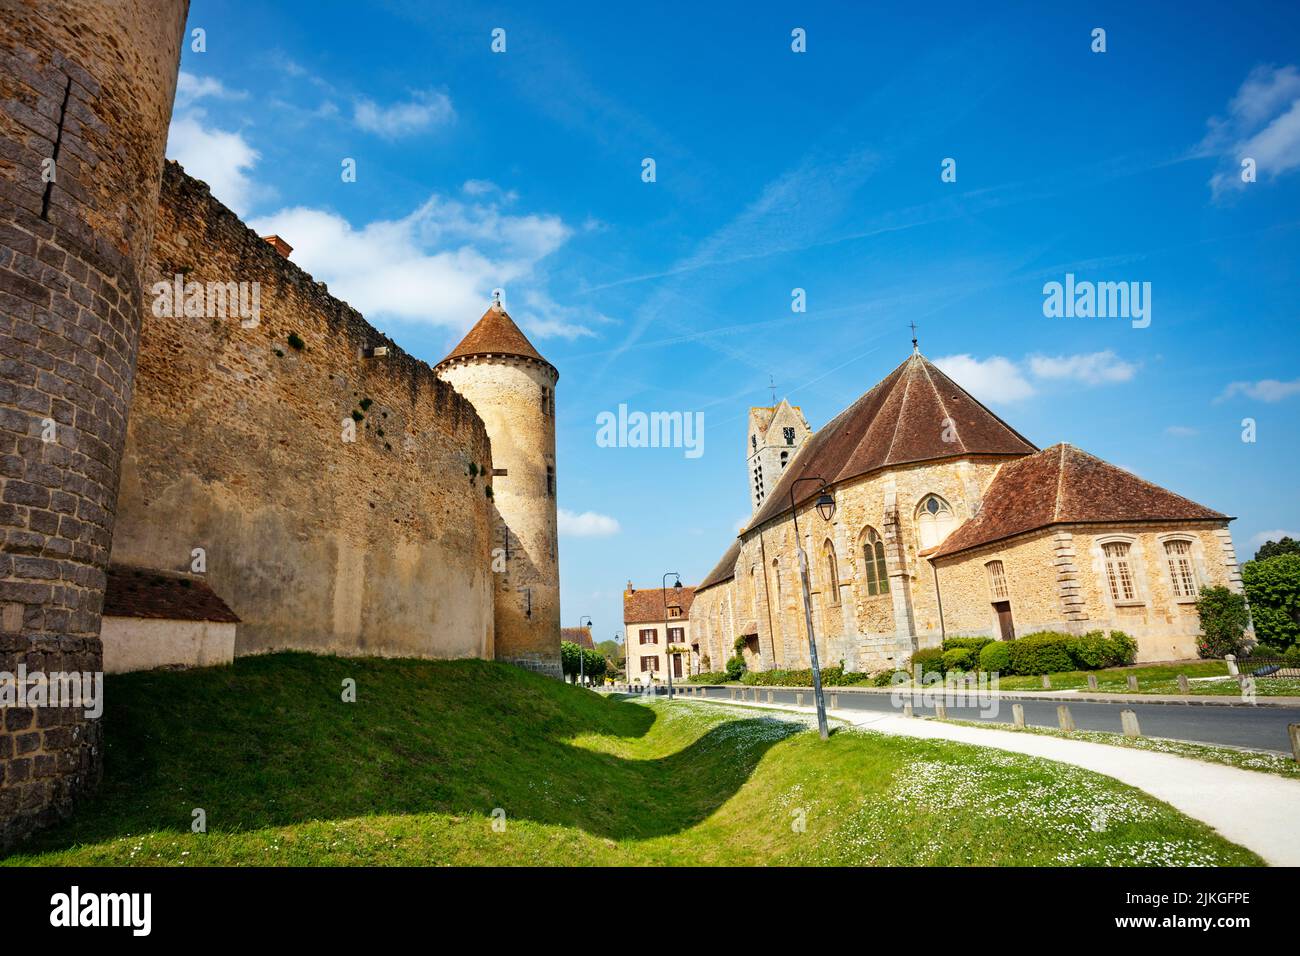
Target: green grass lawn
(1115,679)
(412,772)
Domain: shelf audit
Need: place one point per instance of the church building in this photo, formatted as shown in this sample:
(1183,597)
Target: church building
(948,522)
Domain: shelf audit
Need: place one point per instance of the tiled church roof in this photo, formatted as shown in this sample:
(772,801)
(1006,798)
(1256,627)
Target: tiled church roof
(160,595)
(647,607)
(725,569)
(494,334)
(1064,485)
(915,414)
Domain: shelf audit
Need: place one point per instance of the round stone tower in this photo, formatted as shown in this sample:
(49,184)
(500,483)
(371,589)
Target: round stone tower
(86,91)
(513,389)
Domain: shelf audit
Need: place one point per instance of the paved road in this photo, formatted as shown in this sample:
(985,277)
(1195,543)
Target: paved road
(1262,728)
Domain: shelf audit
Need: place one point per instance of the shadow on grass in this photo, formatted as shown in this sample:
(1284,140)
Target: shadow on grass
(269,742)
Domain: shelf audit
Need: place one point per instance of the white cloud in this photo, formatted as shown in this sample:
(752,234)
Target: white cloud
(1181,431)
(994,379)
(425,109)
(1263,123)
(1265,390)
(545,318)
(1277,534)
(190,88)
(589,524)
(485,187)
(436,265)
(1094,368)
(220,158)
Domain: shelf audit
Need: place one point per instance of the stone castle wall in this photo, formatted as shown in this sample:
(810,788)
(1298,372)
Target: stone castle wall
(86,90)
(508,393)
(378,546)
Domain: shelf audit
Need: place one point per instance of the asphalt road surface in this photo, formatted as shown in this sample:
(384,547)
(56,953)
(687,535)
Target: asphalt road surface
(1260,728)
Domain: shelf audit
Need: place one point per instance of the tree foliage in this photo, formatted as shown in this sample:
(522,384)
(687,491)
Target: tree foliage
(1223,621)
(1271,549)
(1273,588)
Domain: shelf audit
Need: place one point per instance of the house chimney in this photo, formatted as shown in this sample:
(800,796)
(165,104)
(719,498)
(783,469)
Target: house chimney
(279,245)
(630,589)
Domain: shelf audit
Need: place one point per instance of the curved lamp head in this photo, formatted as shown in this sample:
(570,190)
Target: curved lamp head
(677,587)
(826,506)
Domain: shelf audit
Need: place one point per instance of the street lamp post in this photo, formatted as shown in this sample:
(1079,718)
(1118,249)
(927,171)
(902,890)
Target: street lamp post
(582,657)
(826,508)
(677,588)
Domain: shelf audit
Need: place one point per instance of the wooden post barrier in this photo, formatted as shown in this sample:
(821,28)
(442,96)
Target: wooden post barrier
(1047,682)
(1129,720)
(907,708)
(1293,731)
(798,700)
(1183,686)
(1092,682)
(771,697)
(1018,715)
(1132,682)
(941,710)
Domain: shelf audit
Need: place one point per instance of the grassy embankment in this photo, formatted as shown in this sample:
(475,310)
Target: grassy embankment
(412,772)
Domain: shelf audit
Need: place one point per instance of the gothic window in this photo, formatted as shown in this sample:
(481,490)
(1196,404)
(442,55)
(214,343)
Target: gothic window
(785,459)
(934,521)
(789,435)
(1181,572)
(997,580)
(832,574)
(1119,573)
(873,559)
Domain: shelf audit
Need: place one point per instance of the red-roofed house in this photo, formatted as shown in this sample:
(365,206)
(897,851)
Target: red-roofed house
(656,625)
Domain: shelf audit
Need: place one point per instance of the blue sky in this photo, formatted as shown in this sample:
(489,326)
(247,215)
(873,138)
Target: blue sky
(778,170)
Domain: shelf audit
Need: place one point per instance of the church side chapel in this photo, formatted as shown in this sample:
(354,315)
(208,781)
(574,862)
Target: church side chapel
(949,523)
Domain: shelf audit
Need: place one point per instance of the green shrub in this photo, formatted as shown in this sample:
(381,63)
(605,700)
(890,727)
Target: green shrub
(735,668)
(1223,622)
(1125,648)
(1273,589)
(708,677)
(884,679)
(975,644)
(1091,651)
(930,660)
(739,643)
(996,656)
(833,676)
(958,660)
(1043,652)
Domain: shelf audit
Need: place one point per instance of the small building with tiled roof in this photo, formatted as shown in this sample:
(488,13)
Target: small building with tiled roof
(578,635)
(949,522)
(656,633)
(158,619)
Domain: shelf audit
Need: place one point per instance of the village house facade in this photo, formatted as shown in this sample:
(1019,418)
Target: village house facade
(948,523)
(657,634)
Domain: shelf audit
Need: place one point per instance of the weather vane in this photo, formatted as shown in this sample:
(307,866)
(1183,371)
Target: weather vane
(913,325)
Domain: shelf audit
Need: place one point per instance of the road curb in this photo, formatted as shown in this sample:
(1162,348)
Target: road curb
(1061,696)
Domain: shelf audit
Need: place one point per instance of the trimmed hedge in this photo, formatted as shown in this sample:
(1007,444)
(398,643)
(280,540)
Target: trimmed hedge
(831,677)
(975,644)
(996,656)
(958,660)
(929,659)
(1051,652)
(708,677)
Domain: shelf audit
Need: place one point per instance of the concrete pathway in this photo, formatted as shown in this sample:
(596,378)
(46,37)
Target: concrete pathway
(1256,810)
